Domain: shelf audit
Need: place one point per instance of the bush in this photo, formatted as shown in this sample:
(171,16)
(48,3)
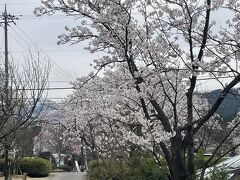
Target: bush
(1,164)
(35,166)
(200,159)
(66,168)
(50,157)
(219,173)
(107,169)
(139,167)
(146,167)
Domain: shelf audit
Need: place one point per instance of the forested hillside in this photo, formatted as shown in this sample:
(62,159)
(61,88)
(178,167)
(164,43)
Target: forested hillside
(230,106)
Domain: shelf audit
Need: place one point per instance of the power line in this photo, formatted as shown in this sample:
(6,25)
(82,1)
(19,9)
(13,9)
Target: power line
(214,78)
(21,38)
(18,4)
(54,81)
(28,37)
(48,51)
(48,98)
(29,51)
(200,79)
(49,88)
(54,15)
(46,18)
(61,71)
(162,69)
(18,42)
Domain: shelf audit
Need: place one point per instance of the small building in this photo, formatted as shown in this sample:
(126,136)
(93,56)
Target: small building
(230,165)
(59,159)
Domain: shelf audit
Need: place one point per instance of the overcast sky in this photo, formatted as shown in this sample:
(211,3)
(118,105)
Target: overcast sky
(68,62)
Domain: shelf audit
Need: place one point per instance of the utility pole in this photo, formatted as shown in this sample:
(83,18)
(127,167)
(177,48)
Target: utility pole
(7,18)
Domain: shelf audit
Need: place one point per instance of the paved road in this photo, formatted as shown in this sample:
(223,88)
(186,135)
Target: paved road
(68,176)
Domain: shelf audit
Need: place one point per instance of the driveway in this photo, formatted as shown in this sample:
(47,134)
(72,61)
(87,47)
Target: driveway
(68,176)
(58,176)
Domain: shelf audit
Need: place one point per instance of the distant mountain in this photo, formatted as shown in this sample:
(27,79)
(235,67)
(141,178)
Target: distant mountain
(230,105)
(227,110)
(45,106)
(48,110)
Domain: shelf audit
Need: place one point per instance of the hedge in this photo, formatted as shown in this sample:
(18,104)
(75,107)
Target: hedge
(139,168)
(50,157)
(33,166)
(66,168)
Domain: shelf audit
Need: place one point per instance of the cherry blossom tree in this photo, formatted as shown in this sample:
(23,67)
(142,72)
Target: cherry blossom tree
(164,46)
(106,115)
(87,118)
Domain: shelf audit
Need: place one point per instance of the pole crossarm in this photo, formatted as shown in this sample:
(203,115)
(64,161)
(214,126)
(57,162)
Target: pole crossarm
(9,17)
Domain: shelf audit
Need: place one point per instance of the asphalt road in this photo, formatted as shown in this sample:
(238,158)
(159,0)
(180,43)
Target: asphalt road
(68,176)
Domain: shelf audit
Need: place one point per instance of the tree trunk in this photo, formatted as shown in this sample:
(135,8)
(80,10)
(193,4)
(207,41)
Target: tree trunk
(177,169)
(6,163)
(190,154)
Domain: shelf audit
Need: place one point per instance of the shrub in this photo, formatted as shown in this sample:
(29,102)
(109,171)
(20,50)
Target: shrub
(107,169)
(139,167)
(200,159)
(219,173)
(35,166)
(146,167)
(66,168)
(50,157)
(1,164)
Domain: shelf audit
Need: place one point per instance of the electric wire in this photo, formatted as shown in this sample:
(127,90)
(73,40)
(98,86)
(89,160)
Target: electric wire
(20,36)
(67,88)
(200,79)
(17,41)
(50,51)
(60,70)
(48,88)
(18,4)
(27,36)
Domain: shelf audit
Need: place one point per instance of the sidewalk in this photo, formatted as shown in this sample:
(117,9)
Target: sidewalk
(58,176)
(68,176)
(28,178)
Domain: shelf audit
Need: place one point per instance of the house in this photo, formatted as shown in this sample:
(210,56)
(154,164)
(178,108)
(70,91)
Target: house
(230,165)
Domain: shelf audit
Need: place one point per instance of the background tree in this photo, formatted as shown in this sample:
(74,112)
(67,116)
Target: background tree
(19,99)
